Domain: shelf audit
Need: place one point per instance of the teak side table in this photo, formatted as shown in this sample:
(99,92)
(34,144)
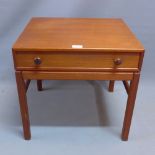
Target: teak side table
(77,49)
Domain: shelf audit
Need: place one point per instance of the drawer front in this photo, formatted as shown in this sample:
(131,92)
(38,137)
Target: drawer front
(76,61)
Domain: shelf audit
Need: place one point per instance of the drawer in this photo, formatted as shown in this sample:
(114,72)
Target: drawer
(67,61)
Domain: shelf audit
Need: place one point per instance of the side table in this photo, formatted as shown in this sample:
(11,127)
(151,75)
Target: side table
(77,49)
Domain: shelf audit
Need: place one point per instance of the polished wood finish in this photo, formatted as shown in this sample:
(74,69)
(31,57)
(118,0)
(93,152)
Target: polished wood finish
(77,49)
(23,104)
(126,85)
(77,61)
(130,106)
(111,85)
(76,75)
(47,34)
(141,60)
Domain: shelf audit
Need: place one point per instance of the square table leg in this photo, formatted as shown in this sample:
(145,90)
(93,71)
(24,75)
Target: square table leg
(23,104)
(111,85)
(24,108)
(39,85)
(130,106)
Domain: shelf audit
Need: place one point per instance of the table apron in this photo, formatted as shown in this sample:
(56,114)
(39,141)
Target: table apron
(42,75)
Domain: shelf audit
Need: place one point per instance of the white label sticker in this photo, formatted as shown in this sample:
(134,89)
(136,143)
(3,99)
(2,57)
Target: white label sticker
(77,46)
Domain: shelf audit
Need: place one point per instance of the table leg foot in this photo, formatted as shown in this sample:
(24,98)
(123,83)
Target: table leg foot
(39,85)
(130,106)
(111,85)
(21,87)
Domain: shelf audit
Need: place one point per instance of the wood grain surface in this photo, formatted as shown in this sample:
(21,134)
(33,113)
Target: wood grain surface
(56,34)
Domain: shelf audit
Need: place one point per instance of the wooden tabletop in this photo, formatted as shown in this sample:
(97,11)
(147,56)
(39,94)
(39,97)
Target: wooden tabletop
(82,34)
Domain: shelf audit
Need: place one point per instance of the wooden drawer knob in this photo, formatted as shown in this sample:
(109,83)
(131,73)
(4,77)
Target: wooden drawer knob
(37,61)
(117,61)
